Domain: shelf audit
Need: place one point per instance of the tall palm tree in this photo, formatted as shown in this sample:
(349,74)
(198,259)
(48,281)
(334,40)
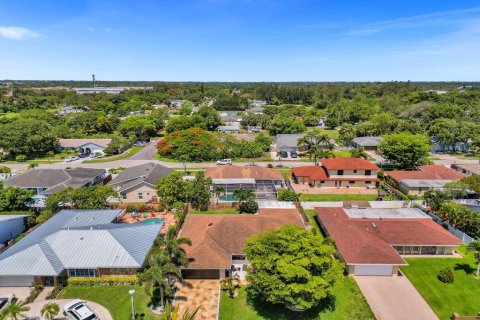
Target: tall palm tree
(172,245)
(50,311)
(314,142)
(158,275)
(475,248)
(218,190)
(14,311)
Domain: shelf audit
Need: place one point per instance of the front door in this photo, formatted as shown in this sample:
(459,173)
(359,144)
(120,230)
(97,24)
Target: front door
(338,184)
(49,282)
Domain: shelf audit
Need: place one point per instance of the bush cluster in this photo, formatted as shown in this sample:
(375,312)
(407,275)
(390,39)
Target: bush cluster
(446,275)
(103,281)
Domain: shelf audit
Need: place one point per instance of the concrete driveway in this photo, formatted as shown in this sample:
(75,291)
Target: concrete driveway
(99,310)
(20,292)
(394,298)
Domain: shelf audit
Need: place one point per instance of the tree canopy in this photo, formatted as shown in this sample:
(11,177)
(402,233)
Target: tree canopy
(405,150)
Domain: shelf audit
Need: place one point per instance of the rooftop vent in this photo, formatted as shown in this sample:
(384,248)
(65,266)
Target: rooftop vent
(374,225)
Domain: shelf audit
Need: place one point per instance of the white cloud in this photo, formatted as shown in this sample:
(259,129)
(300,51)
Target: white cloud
(18,33)
(91,29)
(107,30)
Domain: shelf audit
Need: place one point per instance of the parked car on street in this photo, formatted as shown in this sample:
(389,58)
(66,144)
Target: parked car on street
(224,162)
(78,310)
(293,154)
(70,159)
(84,155)
(5,300)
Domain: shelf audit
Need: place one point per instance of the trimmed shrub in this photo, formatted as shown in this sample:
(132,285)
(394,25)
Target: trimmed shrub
(103,281)
(34,292)
(446,275)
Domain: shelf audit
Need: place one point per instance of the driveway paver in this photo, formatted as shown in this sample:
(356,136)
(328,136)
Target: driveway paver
(394,298)
(194,293)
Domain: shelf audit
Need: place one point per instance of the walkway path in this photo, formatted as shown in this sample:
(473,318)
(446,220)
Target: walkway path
(394,298)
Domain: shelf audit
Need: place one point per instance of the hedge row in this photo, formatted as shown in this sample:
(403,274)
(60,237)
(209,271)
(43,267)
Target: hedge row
(103,281)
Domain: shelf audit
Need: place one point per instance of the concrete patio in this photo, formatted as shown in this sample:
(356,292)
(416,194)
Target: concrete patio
(306,189)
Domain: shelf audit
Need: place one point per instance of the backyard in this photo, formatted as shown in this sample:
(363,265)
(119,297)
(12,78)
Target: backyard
(338,197)
(115,298)
(348,303)
(462,296)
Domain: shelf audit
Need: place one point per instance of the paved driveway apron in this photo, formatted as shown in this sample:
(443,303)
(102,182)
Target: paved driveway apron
(394,298)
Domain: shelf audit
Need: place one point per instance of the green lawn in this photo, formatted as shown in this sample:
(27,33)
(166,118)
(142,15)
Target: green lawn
(115,298)
(332,133)
(130,152)
(8,115)
(348,303)
(462,296)
(312,217)
(338,197)
(226,211)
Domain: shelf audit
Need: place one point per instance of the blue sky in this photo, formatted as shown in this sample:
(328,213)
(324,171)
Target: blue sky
(241,40)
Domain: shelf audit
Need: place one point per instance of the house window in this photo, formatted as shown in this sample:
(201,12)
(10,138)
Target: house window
(368,172)
(148,193)
(351,182)
(354,171)
(322,181)
(81,272)
(124,196)
(368,182)
(239,257)
(340,172)
(140,195)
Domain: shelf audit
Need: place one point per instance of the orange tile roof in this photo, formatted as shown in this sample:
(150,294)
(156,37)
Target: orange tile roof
(215,237)
(348,164)
(370,241)
(318,173)
(426,172)
(238,172)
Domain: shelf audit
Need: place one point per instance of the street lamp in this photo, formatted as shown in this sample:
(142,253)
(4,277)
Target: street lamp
(131,293)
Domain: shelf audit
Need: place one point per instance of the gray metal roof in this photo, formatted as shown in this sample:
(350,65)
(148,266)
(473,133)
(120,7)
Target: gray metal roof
(148,173)
(368,141)
(79,239)
(54,180)
(420,183)
(288,140)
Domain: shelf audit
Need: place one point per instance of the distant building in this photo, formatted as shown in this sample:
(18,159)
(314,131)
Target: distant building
(256,110)
(439,92)
(110,90)
(287,142)
(229,129)
(367,143)
(427,177)
(176,103)
(472,169)
(88,146)
(70,110)
(258,103)
(230,117)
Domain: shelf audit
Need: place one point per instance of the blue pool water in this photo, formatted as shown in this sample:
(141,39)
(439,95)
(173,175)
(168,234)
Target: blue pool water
(228,198)
(152,221)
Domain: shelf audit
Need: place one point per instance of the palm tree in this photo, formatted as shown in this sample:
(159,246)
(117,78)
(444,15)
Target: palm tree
(231,285)
(50,311)
(218,190)
(172,313)
(314,142)
(158,275)
(32,165)
(475,248)
(243,194)
(172,245)
(14,311)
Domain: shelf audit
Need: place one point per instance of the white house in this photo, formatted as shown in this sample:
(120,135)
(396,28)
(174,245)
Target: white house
(88,146)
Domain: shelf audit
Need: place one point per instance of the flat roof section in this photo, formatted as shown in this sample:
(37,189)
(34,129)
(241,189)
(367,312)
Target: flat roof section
(396,213)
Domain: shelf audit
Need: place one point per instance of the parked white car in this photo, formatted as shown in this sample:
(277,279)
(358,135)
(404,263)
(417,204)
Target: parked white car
(224,162)
(70,159)
(78,310)
(5,300)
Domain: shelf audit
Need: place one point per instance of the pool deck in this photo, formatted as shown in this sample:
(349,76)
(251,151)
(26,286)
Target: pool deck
(168,218)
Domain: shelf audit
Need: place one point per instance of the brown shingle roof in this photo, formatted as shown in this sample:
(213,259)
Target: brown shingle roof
(370,241)
(238,172)
(348,164)
(426,172)
(215,237)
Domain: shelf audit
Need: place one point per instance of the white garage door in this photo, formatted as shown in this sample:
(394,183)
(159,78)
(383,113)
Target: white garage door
(373,270)
(16,281)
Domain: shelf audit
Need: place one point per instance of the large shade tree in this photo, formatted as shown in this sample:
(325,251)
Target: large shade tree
(405,150)
(292,266)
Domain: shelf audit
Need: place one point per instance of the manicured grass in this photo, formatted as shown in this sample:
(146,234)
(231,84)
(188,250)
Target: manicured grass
(462,296)
(8,115)
(338,197)
(332,133)
(115,298)
(348,303)
(226,211)
(130,152)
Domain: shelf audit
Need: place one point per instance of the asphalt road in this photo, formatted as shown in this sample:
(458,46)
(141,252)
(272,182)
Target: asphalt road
(146,153)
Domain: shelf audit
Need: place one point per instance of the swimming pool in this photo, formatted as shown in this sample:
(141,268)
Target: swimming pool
(152,221)
(228,198)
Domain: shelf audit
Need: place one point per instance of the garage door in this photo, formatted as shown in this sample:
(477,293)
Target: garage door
(373,270)
(201,274)
(16,281)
